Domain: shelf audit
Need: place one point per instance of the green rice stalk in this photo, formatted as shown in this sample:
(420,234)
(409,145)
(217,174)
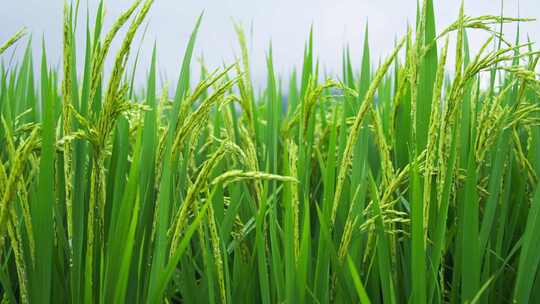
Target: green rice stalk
(12,40)
(16,243)
(10,189)
(432,135)
(352,138)
(180,219)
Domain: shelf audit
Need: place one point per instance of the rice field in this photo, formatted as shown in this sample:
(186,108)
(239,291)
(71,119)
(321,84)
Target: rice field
(413,180)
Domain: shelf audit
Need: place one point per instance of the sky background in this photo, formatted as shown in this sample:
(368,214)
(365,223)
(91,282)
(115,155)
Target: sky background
(284,22)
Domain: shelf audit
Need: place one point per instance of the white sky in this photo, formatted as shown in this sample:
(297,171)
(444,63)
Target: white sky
(285,22)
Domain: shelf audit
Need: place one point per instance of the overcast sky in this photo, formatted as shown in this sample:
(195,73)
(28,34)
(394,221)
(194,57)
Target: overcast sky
(285,22)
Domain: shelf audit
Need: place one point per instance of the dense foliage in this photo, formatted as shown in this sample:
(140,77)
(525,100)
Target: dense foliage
(407,181)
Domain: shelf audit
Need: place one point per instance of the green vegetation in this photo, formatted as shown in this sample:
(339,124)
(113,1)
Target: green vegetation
(410,181)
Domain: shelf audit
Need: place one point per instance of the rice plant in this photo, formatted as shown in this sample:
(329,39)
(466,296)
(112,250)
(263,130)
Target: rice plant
(413,180)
